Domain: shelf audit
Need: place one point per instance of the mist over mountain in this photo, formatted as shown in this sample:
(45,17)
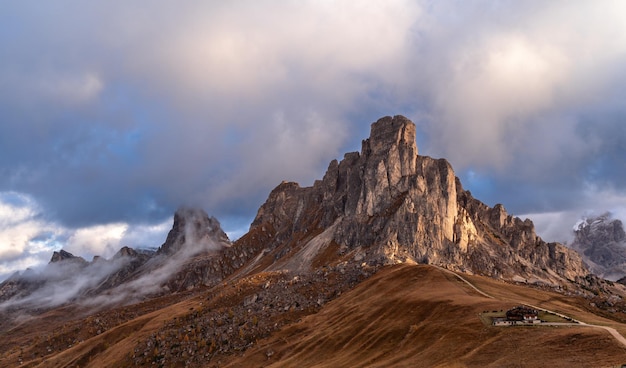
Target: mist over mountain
(61,281)
(601,241)
(201,300)
(127,277)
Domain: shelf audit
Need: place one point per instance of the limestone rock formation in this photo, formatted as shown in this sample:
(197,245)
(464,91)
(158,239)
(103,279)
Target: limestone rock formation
(601,241)
(385,204)
(194,230)
(388,204)
(125,252)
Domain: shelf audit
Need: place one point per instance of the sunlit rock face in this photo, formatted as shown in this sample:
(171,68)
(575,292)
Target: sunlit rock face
(388,204)
(385,204)
(601,241)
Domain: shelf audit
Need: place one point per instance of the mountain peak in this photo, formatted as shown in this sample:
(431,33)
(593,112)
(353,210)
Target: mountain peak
(194,230)
(306,247)
(388,204)
(125,252)
(392,131)
(62,256)
(601,240)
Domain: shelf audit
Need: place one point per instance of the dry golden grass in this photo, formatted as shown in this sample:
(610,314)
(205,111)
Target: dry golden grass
(404,316)
(419,316)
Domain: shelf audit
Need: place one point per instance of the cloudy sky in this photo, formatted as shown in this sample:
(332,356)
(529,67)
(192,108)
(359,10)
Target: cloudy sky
(115,113)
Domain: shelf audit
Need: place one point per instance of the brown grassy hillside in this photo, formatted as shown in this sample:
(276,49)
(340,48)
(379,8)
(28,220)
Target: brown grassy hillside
(418,316)
(403,316)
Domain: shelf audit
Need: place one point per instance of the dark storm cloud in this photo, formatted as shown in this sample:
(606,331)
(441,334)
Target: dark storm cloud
(526,97)
(115,113)
(124,112)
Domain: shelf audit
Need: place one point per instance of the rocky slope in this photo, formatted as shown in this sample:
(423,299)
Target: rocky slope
(601,241)
(200,300)
(62,266)
(384,205)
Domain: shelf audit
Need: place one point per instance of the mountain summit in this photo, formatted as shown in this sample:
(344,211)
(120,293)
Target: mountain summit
(384,205)
(387,204)
(63,256)
(317,281)
(194,230)
(601,241)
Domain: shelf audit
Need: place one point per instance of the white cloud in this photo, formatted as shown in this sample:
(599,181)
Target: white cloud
(19,264)
(248,51)
(558,225)
(206,103)
(20,226)
(141,236)
(28,240)
(103,240)
(490,100)
(604,199)
(495,73)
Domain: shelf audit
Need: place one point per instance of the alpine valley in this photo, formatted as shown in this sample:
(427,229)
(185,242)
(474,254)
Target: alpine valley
(384,262)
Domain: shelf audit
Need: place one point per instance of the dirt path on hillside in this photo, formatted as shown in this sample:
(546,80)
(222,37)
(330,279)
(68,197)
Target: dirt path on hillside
(465,281)
(610,330)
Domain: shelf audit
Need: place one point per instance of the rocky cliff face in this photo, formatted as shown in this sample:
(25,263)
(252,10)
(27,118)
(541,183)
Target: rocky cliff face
(306,247)
(388,204)
(385,204)
(601,241)
(194,230)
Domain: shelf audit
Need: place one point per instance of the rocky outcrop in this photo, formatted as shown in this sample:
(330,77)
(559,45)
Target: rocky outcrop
(125,252)
(385,204)
(507,246)
(63,256)
(121,268)
(388,204)
(194,230)
(601,241)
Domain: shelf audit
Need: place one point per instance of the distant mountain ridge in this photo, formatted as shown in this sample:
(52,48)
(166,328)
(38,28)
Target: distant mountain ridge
(601,241)
(201,300)
(384,205)
(72,278)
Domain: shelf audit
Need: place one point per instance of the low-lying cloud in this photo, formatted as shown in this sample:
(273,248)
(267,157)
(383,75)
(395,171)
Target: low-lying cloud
(28,238)
(61,282)
(115,114)
(88,283)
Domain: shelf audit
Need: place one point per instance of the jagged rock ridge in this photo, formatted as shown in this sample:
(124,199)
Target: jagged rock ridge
(194,229)
(388,204)
(193,233)
(306,247)
(601,241)
(64,256)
